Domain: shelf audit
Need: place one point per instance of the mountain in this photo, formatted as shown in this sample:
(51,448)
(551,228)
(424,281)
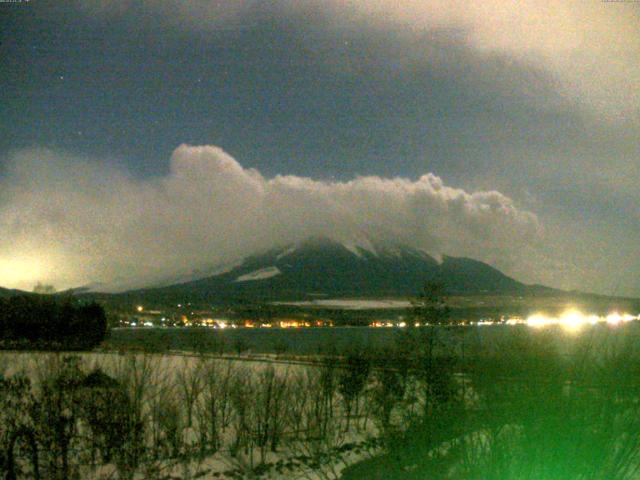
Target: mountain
(321,267)
(6,292)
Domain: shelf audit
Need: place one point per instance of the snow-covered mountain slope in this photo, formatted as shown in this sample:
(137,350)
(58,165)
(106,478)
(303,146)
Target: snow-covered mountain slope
(321,267)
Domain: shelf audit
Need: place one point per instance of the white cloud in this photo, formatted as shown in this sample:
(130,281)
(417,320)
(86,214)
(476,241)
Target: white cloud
(71,221)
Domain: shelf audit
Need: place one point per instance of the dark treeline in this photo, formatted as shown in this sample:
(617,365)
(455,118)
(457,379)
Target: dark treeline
(46,322)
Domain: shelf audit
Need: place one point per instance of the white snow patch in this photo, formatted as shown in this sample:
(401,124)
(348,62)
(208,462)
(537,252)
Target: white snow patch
(353,304)
(353,249)
(288,251)
(358,245)
(261,274)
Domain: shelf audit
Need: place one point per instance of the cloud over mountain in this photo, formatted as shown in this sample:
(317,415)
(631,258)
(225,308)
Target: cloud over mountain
(70,221)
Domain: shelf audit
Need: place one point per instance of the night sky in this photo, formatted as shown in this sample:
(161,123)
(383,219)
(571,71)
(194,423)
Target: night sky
(143,140)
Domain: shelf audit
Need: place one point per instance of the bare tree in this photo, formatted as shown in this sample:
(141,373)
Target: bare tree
(299,399)
(269,411)
(171,424)
(351,382)
(328,385)
(140,381)
(190,385)
(56,416)
(242,392)
(17,431)
(214,406)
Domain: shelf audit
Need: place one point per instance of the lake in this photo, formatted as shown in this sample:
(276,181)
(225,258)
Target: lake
(309,341)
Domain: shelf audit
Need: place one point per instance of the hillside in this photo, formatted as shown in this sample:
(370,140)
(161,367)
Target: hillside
(321,267)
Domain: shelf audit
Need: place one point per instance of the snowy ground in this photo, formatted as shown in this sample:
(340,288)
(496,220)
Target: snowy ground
(321,459)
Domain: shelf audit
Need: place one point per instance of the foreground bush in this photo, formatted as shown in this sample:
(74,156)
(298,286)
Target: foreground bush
(520,410)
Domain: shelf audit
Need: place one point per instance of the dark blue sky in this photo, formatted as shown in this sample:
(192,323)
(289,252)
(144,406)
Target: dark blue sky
(318,92)
(279,98)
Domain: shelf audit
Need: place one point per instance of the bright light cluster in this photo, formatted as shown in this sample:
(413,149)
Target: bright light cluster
(573,319)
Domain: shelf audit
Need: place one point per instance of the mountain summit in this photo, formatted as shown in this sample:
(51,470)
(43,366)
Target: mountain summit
(321,267)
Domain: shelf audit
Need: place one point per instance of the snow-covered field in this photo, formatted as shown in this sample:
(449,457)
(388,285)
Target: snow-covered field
(204,417)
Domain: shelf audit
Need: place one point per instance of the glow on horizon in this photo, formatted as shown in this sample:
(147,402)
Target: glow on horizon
(20,272)
(573,320)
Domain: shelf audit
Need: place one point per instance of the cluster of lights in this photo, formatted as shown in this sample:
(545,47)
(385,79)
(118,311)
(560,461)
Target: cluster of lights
(573,320)
(389,324)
